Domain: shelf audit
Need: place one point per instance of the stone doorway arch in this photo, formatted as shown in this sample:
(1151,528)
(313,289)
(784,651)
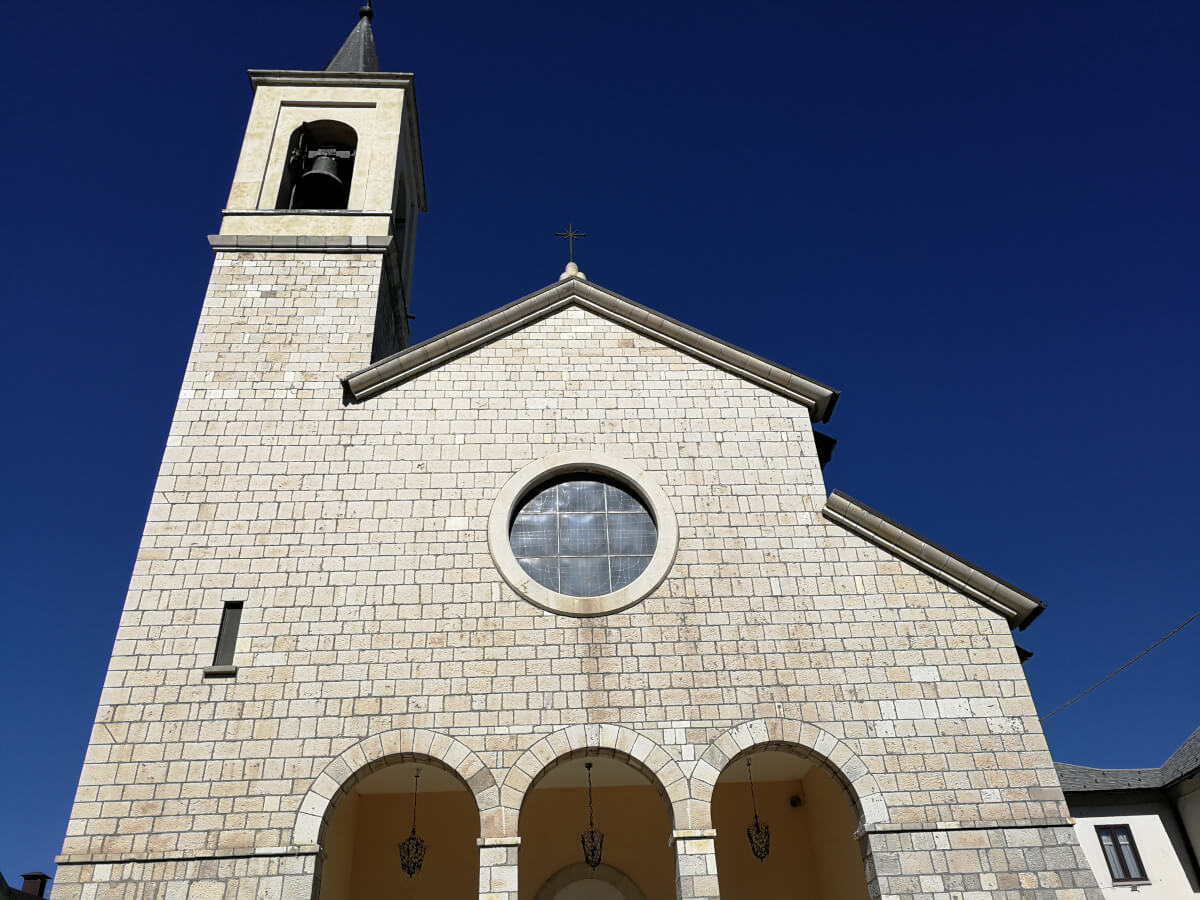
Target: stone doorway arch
(357,811)
(810,844)
(632,810)
(578,882)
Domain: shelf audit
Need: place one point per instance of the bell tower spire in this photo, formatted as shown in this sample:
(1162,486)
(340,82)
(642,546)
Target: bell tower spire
(331,165)
(358,51)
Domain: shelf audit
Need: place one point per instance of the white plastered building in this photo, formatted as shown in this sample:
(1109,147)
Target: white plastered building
(1140,828)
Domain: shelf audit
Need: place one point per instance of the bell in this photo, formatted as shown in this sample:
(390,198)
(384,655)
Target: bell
(323,167)
(320,187)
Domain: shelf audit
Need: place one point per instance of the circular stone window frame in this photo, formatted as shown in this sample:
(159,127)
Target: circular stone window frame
(583,462)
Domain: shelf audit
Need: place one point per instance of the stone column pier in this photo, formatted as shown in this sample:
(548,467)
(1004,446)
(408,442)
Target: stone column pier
(696,864)
(498,868)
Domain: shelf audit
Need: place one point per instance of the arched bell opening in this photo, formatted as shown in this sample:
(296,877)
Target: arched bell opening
(402,828)
(786,827)
(626,856)
(319,166)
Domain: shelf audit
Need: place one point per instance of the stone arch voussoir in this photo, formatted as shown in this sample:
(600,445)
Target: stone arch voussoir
(370,755)
(788,735)
(639,751)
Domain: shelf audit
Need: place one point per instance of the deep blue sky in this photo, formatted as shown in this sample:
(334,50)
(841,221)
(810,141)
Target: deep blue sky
(979,221)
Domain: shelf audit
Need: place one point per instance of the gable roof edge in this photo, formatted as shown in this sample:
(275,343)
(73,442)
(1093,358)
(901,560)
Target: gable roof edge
(818,398)
(1019,607)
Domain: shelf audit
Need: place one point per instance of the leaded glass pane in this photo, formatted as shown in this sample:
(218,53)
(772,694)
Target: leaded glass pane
(543,501)
(626,568)
(631,533)
(542,569)
(584,576)
(534,534)
(621,501)
(581,496)
(582,534)
(583,537)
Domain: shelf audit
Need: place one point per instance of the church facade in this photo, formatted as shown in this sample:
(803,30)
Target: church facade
(553,605)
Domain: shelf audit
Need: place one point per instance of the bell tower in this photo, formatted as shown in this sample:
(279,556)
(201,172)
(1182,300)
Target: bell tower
(330,168)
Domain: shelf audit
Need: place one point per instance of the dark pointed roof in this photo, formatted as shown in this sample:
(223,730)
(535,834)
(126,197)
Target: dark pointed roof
(358,52)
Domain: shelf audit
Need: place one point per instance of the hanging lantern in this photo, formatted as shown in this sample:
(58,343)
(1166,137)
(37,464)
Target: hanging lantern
(592,840)
(759,833)
(412,848)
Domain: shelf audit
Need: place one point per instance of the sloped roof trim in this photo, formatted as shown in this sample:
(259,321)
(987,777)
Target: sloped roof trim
(1183,763)
(1078,779)
(818,398)
(980,585)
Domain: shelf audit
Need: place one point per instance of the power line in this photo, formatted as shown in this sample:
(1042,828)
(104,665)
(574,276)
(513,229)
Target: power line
(1115,672)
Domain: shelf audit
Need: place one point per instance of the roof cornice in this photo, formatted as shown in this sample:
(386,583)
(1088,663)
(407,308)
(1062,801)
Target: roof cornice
(980,585)
(818,398)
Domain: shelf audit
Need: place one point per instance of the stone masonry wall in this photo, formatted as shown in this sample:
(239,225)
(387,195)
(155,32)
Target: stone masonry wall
(1000,864)
(225,878)
(356,537)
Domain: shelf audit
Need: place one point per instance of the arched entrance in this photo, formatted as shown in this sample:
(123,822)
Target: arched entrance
(812,853)
(373,814)
(580,882)
(629,807)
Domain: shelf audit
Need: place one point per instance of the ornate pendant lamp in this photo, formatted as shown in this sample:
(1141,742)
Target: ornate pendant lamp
(759,833)
(592,840)
(412,849)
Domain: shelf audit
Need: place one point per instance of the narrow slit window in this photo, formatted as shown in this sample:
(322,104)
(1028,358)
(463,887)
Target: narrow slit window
(231,618)
(1121,853)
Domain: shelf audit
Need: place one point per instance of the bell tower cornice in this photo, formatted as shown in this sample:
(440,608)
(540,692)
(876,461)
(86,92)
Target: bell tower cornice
(346,79)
